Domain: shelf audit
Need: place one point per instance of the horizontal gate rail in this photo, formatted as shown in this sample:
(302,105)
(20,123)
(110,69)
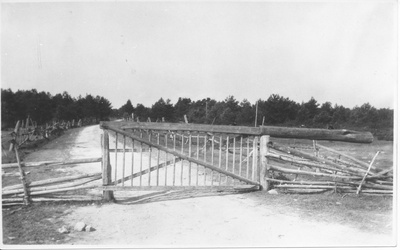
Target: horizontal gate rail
(180,155)
(278,132)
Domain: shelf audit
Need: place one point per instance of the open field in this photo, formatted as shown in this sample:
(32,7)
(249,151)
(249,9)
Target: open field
(348,220)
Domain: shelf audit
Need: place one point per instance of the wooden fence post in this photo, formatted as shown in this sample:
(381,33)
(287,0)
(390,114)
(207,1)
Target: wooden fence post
(264,172)
(255,164)
(15,136)
(14,146)
(22,177)
(108,195)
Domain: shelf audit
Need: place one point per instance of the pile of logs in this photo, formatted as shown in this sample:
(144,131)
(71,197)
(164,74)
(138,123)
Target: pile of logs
(295,171)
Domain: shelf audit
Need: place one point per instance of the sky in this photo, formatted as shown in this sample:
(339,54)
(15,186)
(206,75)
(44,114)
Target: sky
(343,52)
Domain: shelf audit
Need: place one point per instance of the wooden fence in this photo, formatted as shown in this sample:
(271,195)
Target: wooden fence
(28,190)
(226,156)
(153,156)
(294,171)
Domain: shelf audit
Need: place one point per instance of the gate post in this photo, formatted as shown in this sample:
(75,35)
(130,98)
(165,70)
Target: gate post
(108,195)
(264,172)
(256,168)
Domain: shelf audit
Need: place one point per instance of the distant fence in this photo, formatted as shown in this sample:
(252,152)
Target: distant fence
(26,131)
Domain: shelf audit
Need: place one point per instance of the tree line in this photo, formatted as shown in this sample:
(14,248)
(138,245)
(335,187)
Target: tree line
(44,108)
(275,111)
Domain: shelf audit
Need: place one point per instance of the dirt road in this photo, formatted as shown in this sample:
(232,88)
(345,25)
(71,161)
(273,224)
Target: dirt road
(199,220)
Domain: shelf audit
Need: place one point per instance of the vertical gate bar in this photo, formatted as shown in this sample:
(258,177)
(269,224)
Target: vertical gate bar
(197,145)
(173,172)
(182,142)
(227,157)
(220,158)
(212,159)
(248,157)
(149,135)
(197,165)
(158,160)
(149,177)
(123,159)
(116,151)
(205,148)
(234,154)
(133,160)
(240,157)
(205,157)
(166,157)
(190,154)
(141,163)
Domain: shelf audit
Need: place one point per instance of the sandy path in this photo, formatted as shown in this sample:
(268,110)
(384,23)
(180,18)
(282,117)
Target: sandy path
(210,222)
(181,221)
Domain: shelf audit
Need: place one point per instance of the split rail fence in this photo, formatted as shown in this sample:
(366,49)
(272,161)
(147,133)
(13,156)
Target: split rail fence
(28,190)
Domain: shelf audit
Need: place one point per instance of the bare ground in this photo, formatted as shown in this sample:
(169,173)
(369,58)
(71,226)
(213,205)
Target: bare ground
(209,219)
